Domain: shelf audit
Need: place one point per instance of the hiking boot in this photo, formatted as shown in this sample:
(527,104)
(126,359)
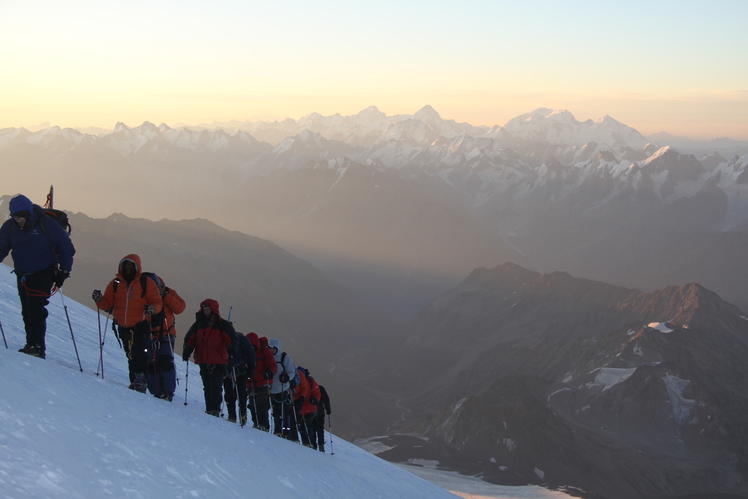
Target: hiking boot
(244,420)
(231,420)
(33,350)
(165,396)
(214,413)
(138,384)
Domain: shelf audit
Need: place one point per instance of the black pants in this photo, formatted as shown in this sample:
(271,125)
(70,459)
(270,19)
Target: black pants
(134,342)
(33,290)
(284,416)
(230,389)
(319,430)
(212,375)
(259,406)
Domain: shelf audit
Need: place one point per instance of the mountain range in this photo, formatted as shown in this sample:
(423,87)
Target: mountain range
(401,208)
(546,378)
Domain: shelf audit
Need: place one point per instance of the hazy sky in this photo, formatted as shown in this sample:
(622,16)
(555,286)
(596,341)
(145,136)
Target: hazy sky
(679,66)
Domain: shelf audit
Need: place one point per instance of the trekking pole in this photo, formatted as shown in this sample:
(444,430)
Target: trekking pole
(3,331)
(186,379)
(296,423)
(71,329)
(98,320)
(329,424)
(103,340)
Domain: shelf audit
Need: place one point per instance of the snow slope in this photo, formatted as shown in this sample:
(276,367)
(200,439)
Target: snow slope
(64,433)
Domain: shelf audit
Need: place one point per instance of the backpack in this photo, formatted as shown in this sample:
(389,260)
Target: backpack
(60,217)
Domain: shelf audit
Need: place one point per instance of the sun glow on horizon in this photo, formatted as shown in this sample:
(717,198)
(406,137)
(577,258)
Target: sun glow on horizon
(679,68)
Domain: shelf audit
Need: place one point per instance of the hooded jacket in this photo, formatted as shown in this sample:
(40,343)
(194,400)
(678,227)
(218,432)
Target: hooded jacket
(285,365)
(210,337)
(35,248)
(264,360)
(127,301)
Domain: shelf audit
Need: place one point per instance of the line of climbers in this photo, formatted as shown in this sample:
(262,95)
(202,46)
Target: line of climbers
(248,369)
(234,367)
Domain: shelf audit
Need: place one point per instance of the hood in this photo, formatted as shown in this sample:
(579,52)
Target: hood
(20,203)
(134,259)
(212,304)
(254,340)
(275,343)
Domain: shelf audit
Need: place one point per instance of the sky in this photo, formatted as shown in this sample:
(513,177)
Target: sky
(72,434)
(671,65)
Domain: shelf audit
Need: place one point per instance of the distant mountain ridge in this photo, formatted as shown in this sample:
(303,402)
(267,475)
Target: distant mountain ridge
(547,191)
(547,378)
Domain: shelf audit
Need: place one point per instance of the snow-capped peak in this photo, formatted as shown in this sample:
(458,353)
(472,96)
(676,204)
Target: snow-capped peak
(371,112)
(428,115)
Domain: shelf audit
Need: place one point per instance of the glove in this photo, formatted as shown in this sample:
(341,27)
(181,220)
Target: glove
(186,357)
(60,277)
(96,295)
(268,374)
(313,401)
(149,310)
(328,411)
(186,353)
(292,384)
(283,378)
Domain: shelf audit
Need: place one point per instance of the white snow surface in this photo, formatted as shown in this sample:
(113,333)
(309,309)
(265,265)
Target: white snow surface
(610,376)
(682,407)
(72,434)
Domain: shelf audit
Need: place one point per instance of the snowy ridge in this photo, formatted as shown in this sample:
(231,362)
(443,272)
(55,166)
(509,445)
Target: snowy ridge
(559,127)
(539,157)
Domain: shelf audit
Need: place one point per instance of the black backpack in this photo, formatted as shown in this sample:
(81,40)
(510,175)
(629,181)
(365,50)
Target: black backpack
(60,217)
